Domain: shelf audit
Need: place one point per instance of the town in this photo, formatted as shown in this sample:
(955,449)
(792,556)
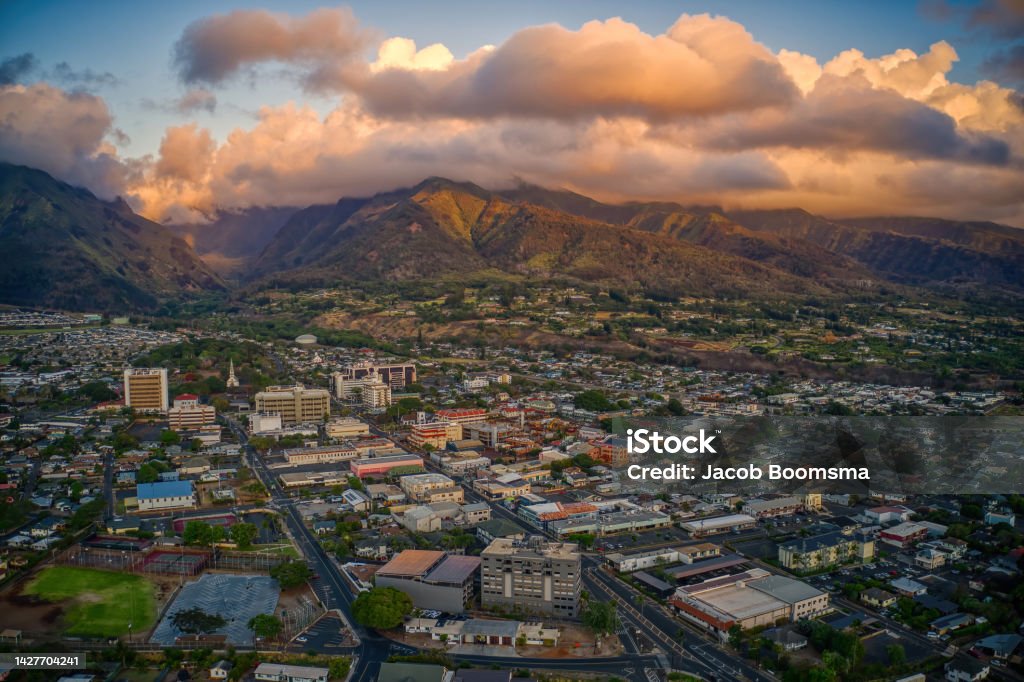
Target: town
(207,499)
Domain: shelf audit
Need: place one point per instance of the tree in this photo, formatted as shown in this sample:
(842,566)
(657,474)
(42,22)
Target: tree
(265,625)
(198,533)
(897,655)
(195,621)
(601,617)
(242,534)
(381,608)
(735,636)
(675,408)
(290,574)
(584,540)
(169,437)
(147,473)
(594,401)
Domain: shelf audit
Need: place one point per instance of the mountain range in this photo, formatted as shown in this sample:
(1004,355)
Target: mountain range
(63,247)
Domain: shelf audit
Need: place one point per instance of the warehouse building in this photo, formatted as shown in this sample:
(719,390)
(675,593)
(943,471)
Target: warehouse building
(750,599)
(700,528)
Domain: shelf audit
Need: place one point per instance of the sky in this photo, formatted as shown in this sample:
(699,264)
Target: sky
(841,108)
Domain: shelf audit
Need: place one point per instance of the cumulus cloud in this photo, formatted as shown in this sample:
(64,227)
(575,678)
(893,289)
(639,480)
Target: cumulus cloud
(845,115)
(63,133)
(701,65)
(699,113)
(13,69)
(216,48)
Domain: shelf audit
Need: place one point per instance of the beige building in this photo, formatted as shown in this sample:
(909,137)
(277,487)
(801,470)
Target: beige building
(145,389)
(532,576)
(347,427)
(431,488)
(295,404)
(822,551)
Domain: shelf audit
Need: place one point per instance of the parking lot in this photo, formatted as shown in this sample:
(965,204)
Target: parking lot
(324,635)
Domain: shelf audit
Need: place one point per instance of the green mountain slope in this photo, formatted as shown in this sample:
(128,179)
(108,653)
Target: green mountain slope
(61,247)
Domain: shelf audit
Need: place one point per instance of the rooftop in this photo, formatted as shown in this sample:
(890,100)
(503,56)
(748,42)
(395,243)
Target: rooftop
(455,570)
(412,562)
(149,491)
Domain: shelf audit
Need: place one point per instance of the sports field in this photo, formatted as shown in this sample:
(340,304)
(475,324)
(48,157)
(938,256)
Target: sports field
(97,603)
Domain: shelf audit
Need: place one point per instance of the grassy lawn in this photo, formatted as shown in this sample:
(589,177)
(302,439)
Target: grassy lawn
(100,603)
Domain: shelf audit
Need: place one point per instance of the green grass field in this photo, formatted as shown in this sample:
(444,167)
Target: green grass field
(99,603)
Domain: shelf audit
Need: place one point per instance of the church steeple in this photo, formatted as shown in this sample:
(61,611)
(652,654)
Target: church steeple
(232,381)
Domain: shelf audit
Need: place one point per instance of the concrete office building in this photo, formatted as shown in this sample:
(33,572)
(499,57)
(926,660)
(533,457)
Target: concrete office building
(430,488)
(396,375)
(435,434)
(533,576)
(320,455)
(187,414)
(295,404)
(433,579)
(346,427)
(145,389)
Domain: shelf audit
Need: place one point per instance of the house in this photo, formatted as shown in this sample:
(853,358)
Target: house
(324,527)
(908,587)
(930,559)
(953,621)
(997,516)
(880,599)
(966,669)
(278,672)
(220,669)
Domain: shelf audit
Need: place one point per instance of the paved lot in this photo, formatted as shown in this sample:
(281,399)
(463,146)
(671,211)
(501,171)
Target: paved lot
(324,635)
(237,598)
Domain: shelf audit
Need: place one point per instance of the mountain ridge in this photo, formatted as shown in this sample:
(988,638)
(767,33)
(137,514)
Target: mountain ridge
(62,247)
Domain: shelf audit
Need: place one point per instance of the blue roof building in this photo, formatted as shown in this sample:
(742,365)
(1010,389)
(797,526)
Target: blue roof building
(165,495)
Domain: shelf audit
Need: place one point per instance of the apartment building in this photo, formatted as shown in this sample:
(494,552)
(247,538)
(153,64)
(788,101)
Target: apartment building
(295,404)
(145,389)
(532,576)
(822,551)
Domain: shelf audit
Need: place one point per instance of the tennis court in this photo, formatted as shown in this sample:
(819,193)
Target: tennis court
(225,520)
(175,563)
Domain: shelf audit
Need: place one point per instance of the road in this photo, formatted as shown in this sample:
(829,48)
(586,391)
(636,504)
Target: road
(373,649)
